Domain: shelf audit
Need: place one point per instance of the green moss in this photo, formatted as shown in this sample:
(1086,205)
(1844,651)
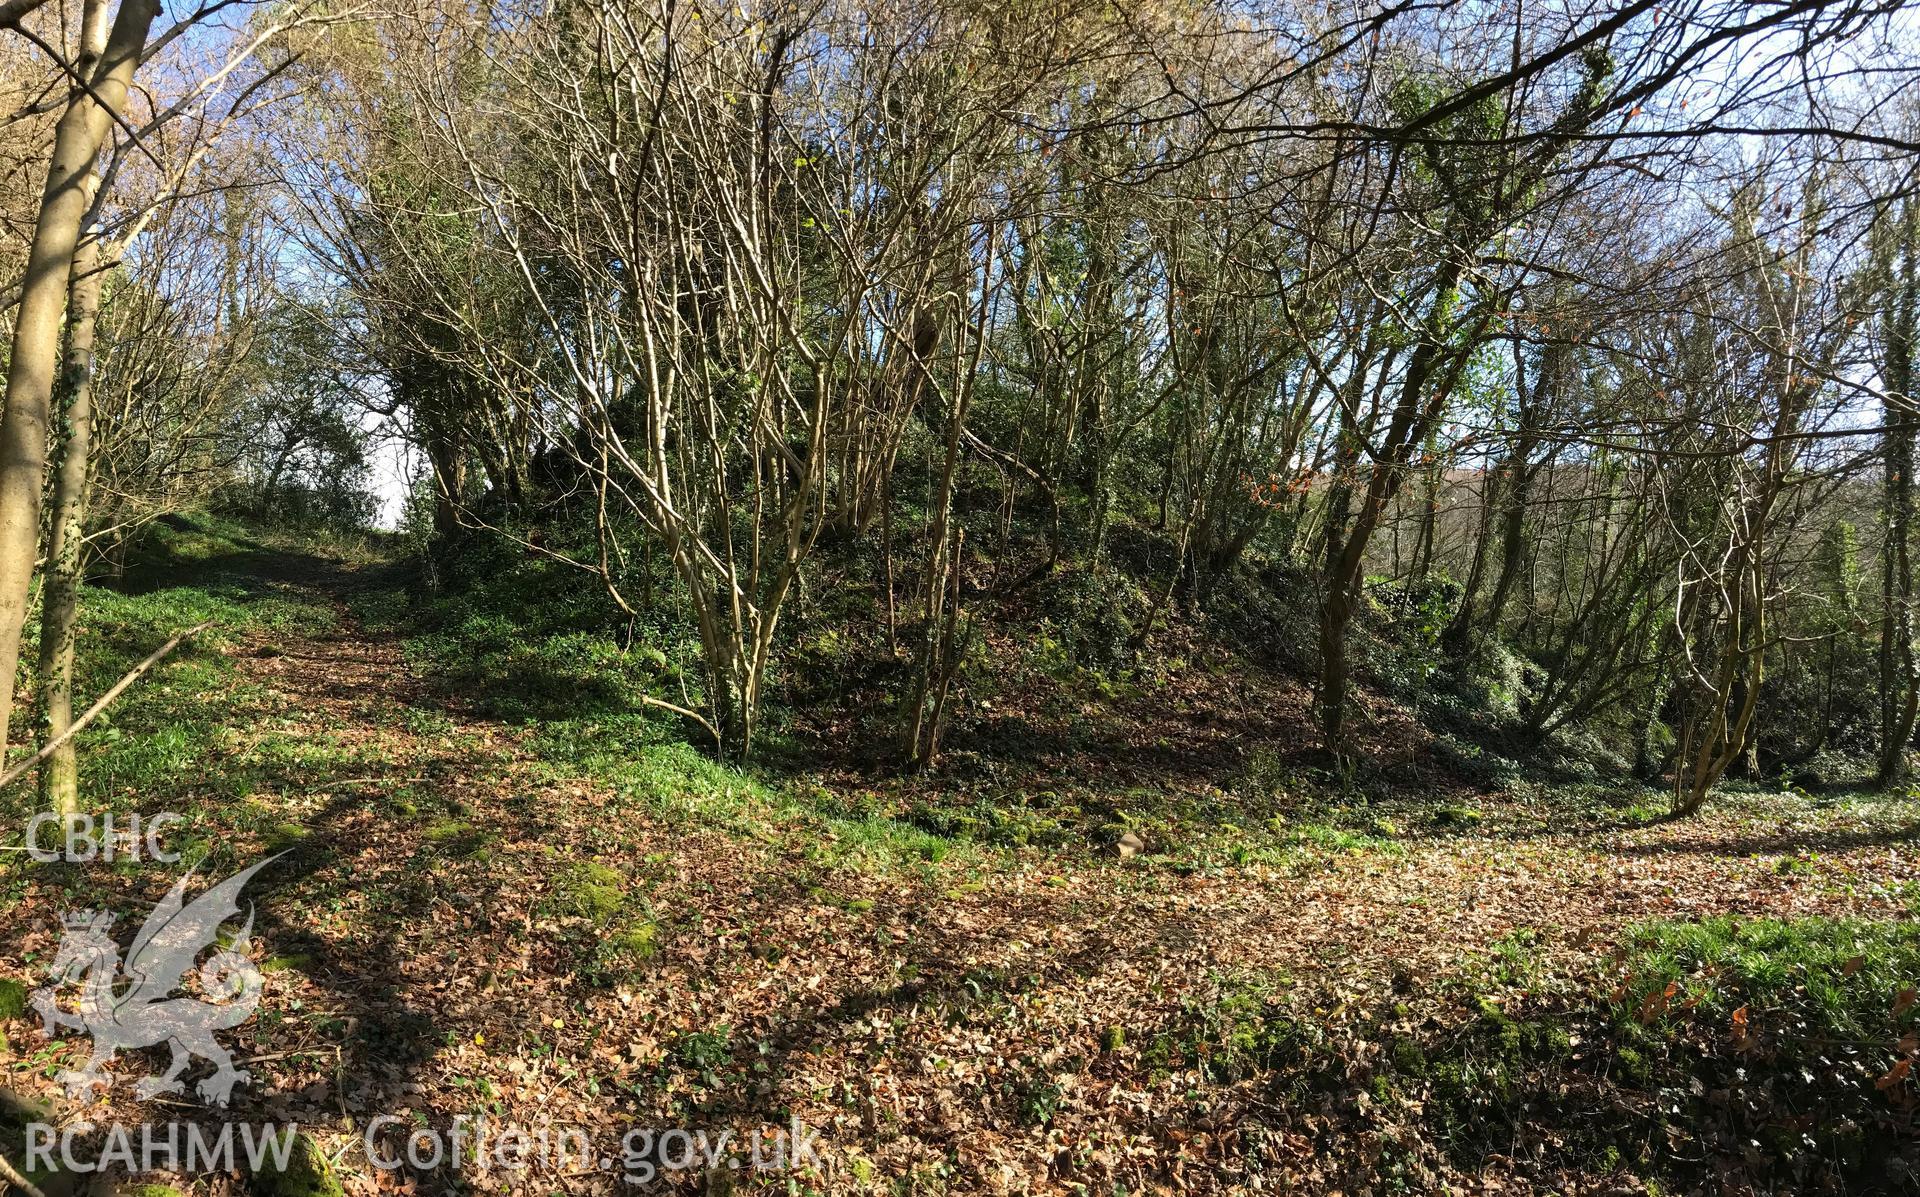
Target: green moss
(13,999)
(595,873)
(1325,837)
(307,1174)
(633,756)
(1809,992)
(590,890)
(1486,1075)
(1241,1028)
(18,1109)
(596,902)
(286,835)
(1631,1066)
(638,940)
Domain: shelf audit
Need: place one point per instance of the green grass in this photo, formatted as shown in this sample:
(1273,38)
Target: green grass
(527,640)
(169,742)
(1831,979)
(164,729)
(642,760)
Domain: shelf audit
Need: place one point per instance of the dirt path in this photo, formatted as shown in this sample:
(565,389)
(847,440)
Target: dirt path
(459,930)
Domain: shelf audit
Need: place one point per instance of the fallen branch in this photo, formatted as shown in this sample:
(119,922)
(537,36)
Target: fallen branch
(100,704)
(648,700)
(12,1176)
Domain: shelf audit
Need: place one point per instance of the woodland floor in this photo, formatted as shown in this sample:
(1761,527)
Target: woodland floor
(466,922)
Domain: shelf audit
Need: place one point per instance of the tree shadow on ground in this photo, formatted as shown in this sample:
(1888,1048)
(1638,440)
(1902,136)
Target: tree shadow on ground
(1779,843)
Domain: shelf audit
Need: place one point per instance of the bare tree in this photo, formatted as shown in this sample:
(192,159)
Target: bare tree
(96,99)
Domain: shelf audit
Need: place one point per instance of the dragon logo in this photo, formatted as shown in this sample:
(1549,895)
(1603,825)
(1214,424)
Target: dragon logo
(136,1010)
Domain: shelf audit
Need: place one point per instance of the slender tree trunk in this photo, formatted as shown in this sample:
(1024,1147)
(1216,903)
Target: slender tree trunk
(1336,612)
(1411,424)
(1335,603)
(1513,480)
(1423,548)
(1455,637)
(1716,734)
(59,776)
(1513,538)
(937,661)
(36,335)
(1899,675)
(1645,766)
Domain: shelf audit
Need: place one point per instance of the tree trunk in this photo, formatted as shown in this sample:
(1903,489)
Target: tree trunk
(1899,675)
(449,481)
(933,678)
(36,335)
(1454,640)
(1423,548)
(1513,537)
(1336,608)
(59,776)
(1412,422)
